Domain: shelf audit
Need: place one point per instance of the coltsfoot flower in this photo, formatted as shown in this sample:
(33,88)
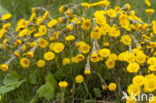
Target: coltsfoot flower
(133,67)
(63,84)
(112,86)
(24,62)
(41,63)
(79,79)
(49,56)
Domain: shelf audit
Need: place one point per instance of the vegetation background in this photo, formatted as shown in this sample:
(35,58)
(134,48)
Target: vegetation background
(22,8)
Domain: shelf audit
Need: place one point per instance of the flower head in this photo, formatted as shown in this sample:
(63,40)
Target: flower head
(49,56)
(79,79)
(112,86)
(24,62)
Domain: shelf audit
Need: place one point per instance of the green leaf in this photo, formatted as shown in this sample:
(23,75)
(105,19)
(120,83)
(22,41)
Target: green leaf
(17,84)
(5,89)
(50,79)
(97,92)
(46,91)
(9,80)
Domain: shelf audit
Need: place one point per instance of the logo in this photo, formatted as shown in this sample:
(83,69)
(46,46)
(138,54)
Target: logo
(140,97)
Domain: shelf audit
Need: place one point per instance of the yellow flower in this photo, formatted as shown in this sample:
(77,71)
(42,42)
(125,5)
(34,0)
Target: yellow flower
(6,16)
(117,8)
(5,41)
(152,100)
(111,13)
(110,63)
(69,11)
(30,54)
(133,67)
(24,62)
(128,6)
(104,29)
(94,57)
(113,57)
(4,67)
(79,79)
(80,57)
(86,24)
(149,11)
(43,29)
(39,21)
(126,39)
(69,38)
(150,83)
(62,9)
(152,67)
(106,44)
(61,19)
(139,80)
(24,48)
(86,5)
(55,36)
(151,60)
(36,35)
(148,3)
(114,32)
(66,61)
(140,57)
(130,100)
(42,43)
(104,87)
(6,26)
(154,26)
(100,18)
(49,56)
(104,52)
(75,60)
(41,63)
(23,32)
(85,48)
(32,44)
(51,46)
(58,47)
(129,57)
(75,19)
(69,27)
(133,89)
(52,23)
(32,17)
(124,22)
(63,84)
(33,10)
(112,86)
(18,42)
(104,3)
(95,34)
(45,15)
(16,53)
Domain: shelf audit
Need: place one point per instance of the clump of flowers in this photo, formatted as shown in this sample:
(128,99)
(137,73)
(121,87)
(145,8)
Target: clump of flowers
(86,54)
